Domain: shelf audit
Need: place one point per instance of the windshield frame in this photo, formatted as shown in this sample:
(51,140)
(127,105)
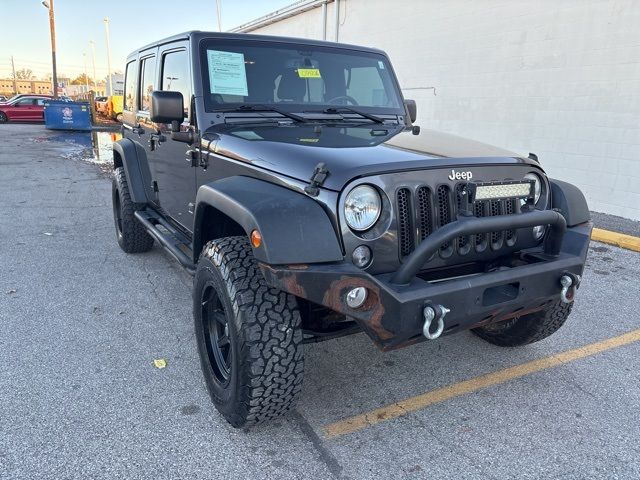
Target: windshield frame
(220,43)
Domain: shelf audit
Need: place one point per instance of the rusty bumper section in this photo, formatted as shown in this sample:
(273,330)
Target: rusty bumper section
(392,314)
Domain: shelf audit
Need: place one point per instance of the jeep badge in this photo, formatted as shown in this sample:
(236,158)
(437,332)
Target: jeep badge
(460,175)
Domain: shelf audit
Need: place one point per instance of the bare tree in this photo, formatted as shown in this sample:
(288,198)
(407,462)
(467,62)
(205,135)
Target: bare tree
(24,74)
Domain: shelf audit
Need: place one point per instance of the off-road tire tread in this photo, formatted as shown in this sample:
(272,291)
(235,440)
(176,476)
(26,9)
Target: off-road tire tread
(269,343)
(135,238)
(528,328)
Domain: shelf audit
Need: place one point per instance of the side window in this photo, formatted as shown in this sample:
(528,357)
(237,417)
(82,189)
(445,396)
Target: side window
(24,102)
(147,82)
(130,87)
(175,76)
(40,102)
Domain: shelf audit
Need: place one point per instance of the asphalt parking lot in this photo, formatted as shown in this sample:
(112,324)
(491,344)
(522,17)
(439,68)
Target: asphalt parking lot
(81,323)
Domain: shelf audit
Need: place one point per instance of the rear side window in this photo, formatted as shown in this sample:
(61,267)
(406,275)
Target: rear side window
(175,76)
(129,87)
(147,82)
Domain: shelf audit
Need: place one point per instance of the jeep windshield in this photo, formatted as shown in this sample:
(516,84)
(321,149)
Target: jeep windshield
(320,81)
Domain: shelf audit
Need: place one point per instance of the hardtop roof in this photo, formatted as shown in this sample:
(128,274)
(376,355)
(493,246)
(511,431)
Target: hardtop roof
(199,35)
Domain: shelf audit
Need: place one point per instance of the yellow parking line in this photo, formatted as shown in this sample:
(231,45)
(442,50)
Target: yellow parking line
(618,239)
(403,407)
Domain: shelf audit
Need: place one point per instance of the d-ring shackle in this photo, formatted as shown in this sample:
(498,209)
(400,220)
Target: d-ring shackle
(431,313)
(569,282)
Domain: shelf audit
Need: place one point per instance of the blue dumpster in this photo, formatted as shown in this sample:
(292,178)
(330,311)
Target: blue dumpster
(59,115)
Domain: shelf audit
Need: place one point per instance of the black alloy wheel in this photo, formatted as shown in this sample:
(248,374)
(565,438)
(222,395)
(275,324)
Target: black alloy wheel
(215,325)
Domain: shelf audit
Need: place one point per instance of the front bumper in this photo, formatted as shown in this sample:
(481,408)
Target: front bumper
(392,315)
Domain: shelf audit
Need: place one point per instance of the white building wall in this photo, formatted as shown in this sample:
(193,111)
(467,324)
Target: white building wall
(560,78)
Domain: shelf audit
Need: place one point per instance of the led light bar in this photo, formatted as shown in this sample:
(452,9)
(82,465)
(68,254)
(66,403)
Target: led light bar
(505,190)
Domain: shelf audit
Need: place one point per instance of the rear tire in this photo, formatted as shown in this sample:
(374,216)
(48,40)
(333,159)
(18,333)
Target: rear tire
(131,235)
(249,335)
(527,328)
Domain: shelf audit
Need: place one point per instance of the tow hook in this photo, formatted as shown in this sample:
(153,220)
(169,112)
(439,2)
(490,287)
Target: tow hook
(570,283)
(431,313)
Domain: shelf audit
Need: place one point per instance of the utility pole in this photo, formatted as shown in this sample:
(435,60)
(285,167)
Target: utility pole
(106,28)
(93,59)
(15,85)
(52,28)
(218,12)
(86,77)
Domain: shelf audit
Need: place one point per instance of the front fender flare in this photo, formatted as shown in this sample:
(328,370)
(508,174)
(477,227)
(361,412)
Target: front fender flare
(295,229)
(570,201)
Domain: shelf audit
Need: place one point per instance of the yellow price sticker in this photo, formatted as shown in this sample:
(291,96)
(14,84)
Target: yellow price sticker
(309,73)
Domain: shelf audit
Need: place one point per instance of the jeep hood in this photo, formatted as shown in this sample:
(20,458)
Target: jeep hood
(349,152)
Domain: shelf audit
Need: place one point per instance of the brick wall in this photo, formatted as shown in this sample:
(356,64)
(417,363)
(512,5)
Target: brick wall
(560,78)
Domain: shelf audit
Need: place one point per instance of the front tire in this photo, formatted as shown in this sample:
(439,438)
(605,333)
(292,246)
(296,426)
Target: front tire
(131,235)
(3,117)
(527,328)
(249,335)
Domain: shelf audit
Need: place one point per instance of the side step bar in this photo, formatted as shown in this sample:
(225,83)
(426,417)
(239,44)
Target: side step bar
(170,238)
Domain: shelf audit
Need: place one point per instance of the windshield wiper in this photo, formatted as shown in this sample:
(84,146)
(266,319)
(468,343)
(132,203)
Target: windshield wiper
(264,108)
(353,110)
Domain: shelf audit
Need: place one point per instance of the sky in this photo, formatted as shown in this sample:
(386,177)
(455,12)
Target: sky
(133,23)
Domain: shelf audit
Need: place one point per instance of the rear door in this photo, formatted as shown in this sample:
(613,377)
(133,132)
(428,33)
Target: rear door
(38,109)
(140,75)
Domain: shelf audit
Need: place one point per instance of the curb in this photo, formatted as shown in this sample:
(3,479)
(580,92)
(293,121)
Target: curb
(621,240)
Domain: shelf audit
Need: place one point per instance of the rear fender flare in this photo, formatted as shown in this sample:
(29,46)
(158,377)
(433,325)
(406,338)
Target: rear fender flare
(136,168)
(295,229)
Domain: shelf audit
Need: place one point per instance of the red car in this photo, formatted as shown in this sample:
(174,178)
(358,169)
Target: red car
(27,108)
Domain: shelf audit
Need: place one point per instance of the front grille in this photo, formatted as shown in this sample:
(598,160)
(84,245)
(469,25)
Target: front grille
(444,211)
(405,228)
(423,210)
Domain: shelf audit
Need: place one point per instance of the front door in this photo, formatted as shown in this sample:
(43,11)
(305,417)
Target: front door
(22,109)
(173,173)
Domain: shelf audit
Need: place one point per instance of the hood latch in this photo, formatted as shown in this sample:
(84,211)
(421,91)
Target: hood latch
(320,174)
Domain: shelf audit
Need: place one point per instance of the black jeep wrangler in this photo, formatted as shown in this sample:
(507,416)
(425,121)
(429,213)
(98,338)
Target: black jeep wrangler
(288,177)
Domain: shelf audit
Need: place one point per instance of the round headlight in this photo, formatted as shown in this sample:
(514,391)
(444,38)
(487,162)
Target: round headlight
(537,185)
(362,207)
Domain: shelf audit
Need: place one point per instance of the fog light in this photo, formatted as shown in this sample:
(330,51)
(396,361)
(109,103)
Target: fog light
(538,232)
(361,256)
(356,297)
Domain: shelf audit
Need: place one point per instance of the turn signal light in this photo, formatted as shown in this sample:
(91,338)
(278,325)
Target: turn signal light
(256,239)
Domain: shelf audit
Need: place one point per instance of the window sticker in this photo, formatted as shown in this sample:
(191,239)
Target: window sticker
(381,64)
(309,73)
(227,74)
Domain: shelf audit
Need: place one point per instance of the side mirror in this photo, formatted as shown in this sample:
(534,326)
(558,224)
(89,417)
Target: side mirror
(166,107)
(412,109)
